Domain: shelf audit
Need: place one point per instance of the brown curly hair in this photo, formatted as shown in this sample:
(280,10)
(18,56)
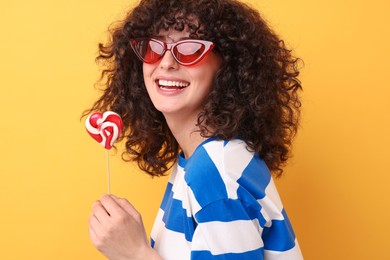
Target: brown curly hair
(254,95)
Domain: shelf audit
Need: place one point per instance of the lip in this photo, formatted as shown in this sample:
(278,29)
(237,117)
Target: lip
(170,91)
(170,79)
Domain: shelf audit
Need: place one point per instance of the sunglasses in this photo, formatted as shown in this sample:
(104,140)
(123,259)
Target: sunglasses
(185,52)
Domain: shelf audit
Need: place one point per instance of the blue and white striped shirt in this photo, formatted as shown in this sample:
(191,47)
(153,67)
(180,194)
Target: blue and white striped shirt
(222,203)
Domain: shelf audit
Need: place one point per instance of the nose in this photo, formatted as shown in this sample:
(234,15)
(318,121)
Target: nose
(168,62)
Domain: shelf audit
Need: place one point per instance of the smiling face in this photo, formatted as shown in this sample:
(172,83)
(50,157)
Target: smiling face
(175,89)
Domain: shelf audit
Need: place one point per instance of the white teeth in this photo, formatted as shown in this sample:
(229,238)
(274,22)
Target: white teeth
(169,83)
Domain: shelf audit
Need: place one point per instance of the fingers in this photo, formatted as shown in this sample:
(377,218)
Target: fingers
(116,228)
(93,222)
(128,207)
(100,212)
(95,230)
(110,205)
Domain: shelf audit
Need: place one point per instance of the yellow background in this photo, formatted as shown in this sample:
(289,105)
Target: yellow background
(336,188)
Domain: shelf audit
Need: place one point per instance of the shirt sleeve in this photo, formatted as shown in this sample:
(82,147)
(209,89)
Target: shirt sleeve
(233,229)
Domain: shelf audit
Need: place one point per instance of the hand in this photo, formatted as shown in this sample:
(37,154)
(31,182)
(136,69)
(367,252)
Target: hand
(117,231)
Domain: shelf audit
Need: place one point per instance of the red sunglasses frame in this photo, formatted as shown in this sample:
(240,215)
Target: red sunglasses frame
(171,46)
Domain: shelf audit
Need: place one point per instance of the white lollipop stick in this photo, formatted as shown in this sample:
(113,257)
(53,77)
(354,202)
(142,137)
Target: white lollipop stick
(105,129)
(108,172)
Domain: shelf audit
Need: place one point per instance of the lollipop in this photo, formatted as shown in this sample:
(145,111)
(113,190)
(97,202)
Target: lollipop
(105,129)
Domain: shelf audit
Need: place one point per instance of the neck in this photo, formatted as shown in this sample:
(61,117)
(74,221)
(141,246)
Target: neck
(186,133)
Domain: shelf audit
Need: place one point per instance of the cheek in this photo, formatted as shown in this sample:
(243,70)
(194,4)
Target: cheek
(207,70)
(147,71)
(206,77)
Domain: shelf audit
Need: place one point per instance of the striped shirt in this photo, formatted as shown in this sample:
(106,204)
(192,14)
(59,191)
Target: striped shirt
(222,203)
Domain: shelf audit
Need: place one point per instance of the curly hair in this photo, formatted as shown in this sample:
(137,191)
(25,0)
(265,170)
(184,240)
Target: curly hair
(254,95)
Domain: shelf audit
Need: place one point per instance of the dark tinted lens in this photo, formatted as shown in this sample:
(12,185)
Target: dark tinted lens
(154,51)
(188,52)
(148,50)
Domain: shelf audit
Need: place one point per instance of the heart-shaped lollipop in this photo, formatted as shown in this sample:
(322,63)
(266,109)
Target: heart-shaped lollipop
(104,128)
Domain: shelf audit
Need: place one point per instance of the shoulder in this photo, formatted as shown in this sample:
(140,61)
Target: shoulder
(221,169)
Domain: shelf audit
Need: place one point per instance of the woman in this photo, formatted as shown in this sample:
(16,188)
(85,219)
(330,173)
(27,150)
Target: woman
(207,89)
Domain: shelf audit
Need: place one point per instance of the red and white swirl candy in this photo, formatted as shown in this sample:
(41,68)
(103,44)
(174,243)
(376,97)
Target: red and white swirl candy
(104,128)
